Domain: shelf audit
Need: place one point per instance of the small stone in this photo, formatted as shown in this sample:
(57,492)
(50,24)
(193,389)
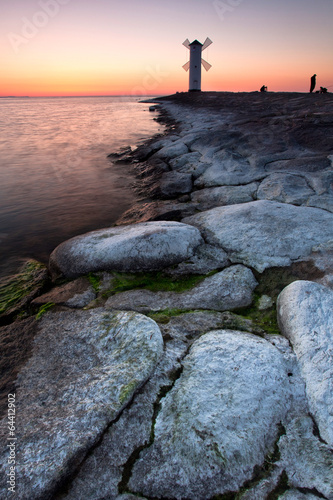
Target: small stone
(265,302)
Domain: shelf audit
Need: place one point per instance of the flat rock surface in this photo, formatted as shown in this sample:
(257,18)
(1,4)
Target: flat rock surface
(105,467)
(230,289)
(263,234)
(225,195)
(84,369)
(219,420)
(305,315)
(234,139)
(138,247)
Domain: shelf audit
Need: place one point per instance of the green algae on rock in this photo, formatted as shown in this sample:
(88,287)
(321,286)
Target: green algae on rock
(18,290)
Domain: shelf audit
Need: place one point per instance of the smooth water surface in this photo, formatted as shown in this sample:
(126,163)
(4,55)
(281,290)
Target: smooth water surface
(55,178)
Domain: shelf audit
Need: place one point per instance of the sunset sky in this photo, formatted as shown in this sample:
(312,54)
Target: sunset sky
(108,47)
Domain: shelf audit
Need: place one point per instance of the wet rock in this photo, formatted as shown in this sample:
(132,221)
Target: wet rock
(224,195)
(305,315)
(307,462)
(173,150)
(157,210)
(19,289)
(219,420)
(85,368)
(76,294)
(229,289)
(138,247)
(175,183)
(264,234)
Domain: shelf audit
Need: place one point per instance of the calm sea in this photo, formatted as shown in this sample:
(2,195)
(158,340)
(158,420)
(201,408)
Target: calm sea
(55,178)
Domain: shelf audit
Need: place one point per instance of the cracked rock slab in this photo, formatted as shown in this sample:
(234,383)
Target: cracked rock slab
(101,473)
(147,246)
(228,169)
(206,258)
(219,420)
(305,315)
(263,234)
(230,289)
(84,369)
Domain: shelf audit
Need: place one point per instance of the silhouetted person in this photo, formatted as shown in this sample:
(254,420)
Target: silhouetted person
(323,90)
(313,83)
(263,88)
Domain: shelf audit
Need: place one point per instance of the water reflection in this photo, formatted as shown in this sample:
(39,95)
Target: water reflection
(55,178)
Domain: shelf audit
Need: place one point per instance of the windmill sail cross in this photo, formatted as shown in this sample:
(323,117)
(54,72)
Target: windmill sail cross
(195,62)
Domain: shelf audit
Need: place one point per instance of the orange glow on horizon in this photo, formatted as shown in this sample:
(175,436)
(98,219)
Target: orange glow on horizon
(99,48)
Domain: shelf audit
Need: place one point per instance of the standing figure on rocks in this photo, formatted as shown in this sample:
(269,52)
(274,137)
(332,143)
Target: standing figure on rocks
(313,83)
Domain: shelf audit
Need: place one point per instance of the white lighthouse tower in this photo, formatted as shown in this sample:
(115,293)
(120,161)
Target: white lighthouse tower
(194,64)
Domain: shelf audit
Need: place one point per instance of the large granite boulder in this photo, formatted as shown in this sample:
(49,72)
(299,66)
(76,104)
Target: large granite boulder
(305,315)
(230,289)
(219,420)
(263,234)
(84,369)
(138,247)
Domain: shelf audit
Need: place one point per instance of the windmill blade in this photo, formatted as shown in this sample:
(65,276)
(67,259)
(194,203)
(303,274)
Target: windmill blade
(186,66)
(187,43)
(207,43)
(206,65)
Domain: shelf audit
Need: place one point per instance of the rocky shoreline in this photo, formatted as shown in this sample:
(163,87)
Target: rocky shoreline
(186,353)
